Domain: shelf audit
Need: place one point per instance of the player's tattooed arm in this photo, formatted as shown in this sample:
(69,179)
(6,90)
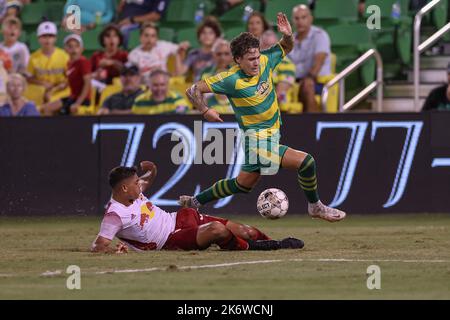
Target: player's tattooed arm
(147,179)
(195,95)
(287,42)
(284,27)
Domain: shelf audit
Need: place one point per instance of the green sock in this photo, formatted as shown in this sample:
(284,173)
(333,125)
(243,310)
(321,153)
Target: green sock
(307,179)
(221,189)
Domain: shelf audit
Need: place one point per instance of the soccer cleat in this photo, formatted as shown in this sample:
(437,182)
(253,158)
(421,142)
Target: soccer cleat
(320,211)
(188,202)
(291,243)
(265,245)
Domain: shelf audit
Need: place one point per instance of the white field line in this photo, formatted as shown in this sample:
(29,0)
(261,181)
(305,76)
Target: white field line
(231,264)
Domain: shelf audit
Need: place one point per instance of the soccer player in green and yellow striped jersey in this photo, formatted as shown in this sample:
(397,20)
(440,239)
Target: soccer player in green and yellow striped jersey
(250,89)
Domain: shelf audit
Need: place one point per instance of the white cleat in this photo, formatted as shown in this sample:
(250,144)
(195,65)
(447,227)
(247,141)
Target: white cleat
(188,202)
(320,211)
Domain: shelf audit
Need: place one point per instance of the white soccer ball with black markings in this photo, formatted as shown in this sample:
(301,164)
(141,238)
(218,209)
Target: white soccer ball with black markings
(272,203)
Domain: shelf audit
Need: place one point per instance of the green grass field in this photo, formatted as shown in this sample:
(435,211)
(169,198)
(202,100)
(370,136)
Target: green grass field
(411,250)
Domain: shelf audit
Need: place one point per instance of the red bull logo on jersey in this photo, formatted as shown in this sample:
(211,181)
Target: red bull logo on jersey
(147,213)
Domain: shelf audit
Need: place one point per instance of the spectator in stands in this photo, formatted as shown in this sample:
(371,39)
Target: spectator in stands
(131,13)
(17,105)
(284,74)
(223,60)
(257,24)
(159,99)
(18,51)
(439,98)
(79,78)
(122,102)
(198,59)
(5,60)
(93,13)
(13,8)
(47,66)
(153,53)
(3,9)
(311,56)
(107,64)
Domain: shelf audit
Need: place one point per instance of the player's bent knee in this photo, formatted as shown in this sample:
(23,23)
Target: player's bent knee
(217,230)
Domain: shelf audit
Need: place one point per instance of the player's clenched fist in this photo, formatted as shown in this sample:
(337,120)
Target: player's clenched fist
(148,166)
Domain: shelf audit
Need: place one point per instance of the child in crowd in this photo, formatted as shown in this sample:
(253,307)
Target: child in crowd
(18,51)
(47,65)
(79,78)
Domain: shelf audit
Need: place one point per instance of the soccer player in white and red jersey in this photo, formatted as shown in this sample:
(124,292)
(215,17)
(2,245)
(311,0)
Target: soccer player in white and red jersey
(142,226)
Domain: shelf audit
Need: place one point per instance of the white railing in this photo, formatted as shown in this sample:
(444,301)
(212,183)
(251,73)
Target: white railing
(340,78)
(420,47)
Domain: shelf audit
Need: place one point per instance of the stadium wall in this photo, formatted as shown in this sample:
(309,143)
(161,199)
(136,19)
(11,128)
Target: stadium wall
(367,163)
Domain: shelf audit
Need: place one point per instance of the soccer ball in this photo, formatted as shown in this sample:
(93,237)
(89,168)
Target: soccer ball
(272,203)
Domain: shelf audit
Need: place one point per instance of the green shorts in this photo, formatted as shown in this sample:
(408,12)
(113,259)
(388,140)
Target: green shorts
(263,155)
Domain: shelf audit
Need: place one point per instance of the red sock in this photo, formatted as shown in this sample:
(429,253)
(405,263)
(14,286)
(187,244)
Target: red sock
(233,243)
(260,235)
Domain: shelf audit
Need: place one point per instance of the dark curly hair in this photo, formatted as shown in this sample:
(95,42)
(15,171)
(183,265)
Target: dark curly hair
(243,43)
(106,30)
(210,22)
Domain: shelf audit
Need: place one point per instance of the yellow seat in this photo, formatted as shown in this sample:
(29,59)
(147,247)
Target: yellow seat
(293,105)
(92,108)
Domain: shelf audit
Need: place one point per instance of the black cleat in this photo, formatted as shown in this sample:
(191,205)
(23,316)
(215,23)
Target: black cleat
(291,243)
(264,245)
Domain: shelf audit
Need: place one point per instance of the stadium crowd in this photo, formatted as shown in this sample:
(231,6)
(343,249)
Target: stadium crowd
(149,78)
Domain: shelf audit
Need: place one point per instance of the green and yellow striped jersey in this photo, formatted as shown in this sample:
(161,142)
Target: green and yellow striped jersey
(174,103)
(253,99)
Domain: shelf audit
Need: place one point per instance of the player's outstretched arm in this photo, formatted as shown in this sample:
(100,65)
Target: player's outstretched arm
(284,27)
(149,176)
(101,245)
(195,95)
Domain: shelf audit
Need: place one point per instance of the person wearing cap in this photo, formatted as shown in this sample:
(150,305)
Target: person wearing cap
(159,99)
(439,98)
(47,66)
(121,103)
(18,51)
(79,78)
